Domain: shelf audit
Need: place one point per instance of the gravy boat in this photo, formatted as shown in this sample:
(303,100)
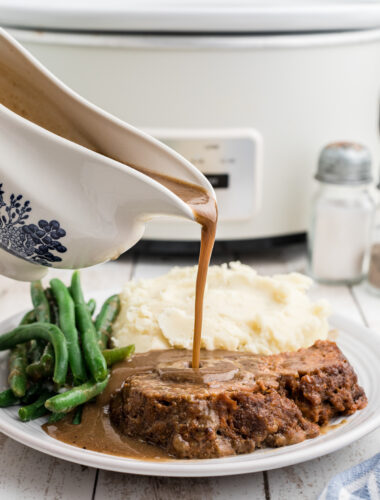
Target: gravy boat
(65,205)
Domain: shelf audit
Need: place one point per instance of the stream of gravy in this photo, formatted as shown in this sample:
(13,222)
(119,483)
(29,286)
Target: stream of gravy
(205,210)
(29,102)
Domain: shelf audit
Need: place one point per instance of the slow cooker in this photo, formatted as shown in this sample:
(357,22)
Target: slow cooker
(248,91)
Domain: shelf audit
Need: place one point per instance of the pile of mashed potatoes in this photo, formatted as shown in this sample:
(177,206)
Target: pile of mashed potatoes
(243,311)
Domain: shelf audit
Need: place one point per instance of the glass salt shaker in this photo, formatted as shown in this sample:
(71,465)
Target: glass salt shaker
(342,215)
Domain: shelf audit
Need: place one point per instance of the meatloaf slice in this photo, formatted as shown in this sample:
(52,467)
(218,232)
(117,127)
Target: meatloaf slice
(207,423)
(320,381)
(236,402)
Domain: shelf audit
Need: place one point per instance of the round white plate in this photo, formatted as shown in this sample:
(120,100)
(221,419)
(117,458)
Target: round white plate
(359,344)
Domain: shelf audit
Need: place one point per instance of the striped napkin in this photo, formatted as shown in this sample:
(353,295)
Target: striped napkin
(359,482)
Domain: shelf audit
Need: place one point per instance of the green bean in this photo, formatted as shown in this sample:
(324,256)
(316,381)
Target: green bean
(105,318)
(67,401)
(48,332)
(91,305)
(31,394)
(35,350)
(17,370)
(28,318)
(47,358)
(77,419)
(43,360)
(66,310)
(118,354)
(92,353)
(42,315)
(36,371)
(7,398)
(56,417)
(40,302)
(54,312)
(17,362)
(44,366)
(34,410)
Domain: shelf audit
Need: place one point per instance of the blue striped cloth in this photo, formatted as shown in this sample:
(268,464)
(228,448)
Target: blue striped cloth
(360,482)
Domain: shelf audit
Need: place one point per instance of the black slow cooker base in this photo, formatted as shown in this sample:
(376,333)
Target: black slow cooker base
(191,248)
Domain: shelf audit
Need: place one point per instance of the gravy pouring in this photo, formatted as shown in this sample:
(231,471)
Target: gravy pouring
(30,102)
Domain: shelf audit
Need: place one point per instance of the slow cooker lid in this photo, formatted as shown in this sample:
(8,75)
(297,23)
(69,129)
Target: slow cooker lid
(249,16)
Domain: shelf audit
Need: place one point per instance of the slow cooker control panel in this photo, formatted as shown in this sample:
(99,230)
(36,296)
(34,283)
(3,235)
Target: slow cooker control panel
(230,159)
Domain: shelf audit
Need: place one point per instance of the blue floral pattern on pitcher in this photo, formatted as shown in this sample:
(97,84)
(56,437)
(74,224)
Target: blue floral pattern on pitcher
(33,242)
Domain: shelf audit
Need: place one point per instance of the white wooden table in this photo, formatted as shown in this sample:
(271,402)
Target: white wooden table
(28,474)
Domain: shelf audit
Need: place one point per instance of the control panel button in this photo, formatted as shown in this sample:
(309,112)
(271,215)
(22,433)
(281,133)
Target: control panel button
(230,159)
(218,181)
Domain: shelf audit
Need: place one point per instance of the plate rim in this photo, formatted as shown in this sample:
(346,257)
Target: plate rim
(209,467)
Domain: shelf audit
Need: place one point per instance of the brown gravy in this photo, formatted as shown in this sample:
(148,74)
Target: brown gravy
(96,432)
(206,214)
(26,100)
(330,427)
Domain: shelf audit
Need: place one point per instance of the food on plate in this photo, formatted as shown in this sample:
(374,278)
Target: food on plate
(93,356)
(66,319)
(68,400)
(59,357)
(156,406)
(236,402)
(243,311)
(105,319)
(268,378)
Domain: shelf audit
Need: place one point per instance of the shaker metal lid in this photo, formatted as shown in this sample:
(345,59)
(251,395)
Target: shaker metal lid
(344,163)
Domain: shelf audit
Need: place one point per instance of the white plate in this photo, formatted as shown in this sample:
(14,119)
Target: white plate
(359,344)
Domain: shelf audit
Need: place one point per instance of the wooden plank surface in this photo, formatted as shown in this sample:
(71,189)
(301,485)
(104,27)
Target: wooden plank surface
(126,486)
(368,305)
(25,473)
(31,475)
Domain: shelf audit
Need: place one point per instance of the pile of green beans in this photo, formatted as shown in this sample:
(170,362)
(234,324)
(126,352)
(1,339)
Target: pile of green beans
(59,356)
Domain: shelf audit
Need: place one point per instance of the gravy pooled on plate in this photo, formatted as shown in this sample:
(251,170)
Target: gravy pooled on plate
(236,402)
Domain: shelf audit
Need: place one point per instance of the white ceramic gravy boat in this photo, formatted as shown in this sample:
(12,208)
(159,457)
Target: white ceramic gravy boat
(66,206)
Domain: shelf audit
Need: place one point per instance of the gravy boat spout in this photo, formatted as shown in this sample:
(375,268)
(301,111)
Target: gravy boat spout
(68,197)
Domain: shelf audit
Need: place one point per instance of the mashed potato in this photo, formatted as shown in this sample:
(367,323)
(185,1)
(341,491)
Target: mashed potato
(243,311)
